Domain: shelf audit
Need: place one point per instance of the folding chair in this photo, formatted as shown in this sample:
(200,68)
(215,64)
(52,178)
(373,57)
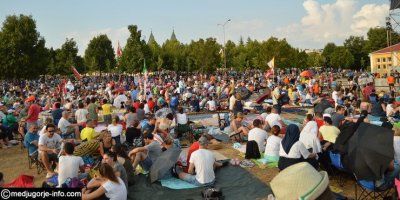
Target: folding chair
(33,160)
(336,163)
(370,191)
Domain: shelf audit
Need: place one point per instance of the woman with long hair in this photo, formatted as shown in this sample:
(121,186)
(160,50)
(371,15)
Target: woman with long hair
(108,185)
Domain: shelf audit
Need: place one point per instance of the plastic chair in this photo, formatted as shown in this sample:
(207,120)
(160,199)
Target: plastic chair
(370,191)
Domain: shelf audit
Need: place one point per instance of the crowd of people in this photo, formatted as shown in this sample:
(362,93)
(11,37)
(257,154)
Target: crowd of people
(132,121)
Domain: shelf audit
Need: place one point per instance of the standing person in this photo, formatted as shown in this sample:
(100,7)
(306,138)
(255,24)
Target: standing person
(202,164)
(108,185)
(33,112)
(116,130)
(93,111)
(107,110)
(276,95)
(69,165)
(259,135)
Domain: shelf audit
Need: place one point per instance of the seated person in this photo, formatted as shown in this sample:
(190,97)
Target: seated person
(69,165)
(390,174)
(147,155)
(149,126)
(328,132)
(259,135)
(202,162)
(274,119)
(57,112)
(31,140)
(134,135)
(163,125)
(49,146)
(111,159)
(88,133)
(106,142)
(108,186)
(67,129)
(273,144)
(125,161)
(293,151)
(237,128)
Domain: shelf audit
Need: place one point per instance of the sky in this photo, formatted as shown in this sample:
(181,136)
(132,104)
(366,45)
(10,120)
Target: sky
(306,24)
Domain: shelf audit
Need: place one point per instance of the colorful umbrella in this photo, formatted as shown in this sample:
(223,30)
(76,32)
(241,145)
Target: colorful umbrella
(306,73)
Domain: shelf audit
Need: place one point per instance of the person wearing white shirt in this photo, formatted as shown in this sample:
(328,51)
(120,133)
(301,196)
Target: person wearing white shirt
(69,165)
(108,184)
(121,98)
(273,145)
(202,161)
(81,114)
(259,135)
(232,101)
(293,151)
(274,119)
(211,105)
(115,129)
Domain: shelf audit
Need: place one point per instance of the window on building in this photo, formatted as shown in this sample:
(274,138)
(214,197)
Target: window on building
(378,60)
(379,66)
(383,59)
(389,65)
(389,59)
(384,66)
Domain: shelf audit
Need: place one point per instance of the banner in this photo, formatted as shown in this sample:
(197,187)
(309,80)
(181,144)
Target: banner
(76,73)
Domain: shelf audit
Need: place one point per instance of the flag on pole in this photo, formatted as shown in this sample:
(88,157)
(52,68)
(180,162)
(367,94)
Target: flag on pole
(119,50)
(271,63)
(76,73)
(145,77)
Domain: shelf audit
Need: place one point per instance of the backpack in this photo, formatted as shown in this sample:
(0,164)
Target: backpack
(212,194)
(252,151)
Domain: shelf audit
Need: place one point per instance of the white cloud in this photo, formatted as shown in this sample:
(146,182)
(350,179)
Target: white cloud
(253,28)
(333,22)
(83,38)
(370,15)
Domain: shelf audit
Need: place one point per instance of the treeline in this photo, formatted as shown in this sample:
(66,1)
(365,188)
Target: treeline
(23,53)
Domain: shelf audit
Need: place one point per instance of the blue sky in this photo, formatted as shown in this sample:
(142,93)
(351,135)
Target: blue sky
(305,23)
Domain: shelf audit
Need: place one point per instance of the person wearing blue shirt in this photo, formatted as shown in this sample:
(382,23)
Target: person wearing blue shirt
(31,140)
(134,93)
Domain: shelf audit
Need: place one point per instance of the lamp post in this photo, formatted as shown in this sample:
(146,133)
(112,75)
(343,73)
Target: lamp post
(223,29)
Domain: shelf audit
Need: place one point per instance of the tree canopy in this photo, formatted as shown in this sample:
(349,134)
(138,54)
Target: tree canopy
(99,55)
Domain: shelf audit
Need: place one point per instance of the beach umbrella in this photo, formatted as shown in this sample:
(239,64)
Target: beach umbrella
(370,151)
(164,163)
(306,73)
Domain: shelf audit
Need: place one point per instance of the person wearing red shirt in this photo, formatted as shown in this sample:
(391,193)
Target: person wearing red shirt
(136,104)
(151,104)
(33,112)
(195,146)
(320,122)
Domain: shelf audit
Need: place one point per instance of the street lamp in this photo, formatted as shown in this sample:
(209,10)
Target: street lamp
(223,28)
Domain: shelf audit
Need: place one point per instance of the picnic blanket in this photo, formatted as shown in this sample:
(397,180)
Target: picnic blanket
(235,183)
(176,184)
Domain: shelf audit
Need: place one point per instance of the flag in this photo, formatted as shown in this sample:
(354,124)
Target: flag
(119,51)
(145,78)
(271,63)
(76,73)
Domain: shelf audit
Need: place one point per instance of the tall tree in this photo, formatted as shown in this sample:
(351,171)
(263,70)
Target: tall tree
(22,49)
(327,52)
(315,60)
(99,55)
(66,57)
(135,51)
(341,58)
(356,46)
(377,39)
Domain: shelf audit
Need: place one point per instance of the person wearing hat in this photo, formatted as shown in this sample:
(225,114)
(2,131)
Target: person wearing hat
(33,111)
(293,151)
(202,163)
(301,181)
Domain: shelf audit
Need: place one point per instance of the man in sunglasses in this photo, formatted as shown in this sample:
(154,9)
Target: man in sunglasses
(49,147)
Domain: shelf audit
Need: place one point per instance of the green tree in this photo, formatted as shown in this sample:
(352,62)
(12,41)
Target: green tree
(134,52)
(356,46)
(315,60)
(173,55)
(327,53)
(99,55)
(203,55)
(65,57)
(341,58)
(22,49)
(377,39)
